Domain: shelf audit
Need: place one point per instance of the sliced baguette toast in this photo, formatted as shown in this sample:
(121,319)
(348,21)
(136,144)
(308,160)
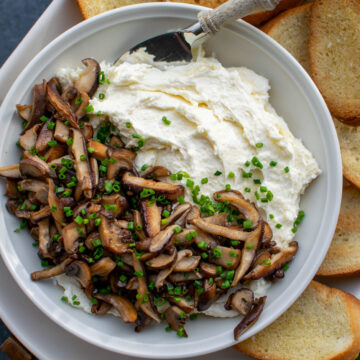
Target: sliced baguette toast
(291,30)
(261,17)
(323,324)
(334,56)
(349,139)
(91,8)
(343,257)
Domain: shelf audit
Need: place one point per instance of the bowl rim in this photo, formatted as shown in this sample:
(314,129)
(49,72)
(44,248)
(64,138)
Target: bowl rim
(146,10)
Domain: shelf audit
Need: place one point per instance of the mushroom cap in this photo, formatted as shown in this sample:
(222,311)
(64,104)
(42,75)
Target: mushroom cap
(241,300)
(89,79)
(81,271)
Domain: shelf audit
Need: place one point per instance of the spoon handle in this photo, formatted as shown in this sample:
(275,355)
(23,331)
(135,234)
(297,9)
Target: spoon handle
(212,20)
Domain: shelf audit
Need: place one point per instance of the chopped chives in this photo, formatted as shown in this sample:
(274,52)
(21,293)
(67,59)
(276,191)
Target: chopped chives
(165,120)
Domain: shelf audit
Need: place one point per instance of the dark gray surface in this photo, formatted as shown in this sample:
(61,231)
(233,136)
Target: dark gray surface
(16,19)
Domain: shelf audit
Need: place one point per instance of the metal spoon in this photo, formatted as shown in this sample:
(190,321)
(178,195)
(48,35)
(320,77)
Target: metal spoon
(177,45)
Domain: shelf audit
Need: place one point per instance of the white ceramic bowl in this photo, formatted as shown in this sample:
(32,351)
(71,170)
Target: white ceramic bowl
(293,95)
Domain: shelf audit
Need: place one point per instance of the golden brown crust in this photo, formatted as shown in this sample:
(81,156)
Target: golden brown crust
(316,293)
(331,44)
(91,8)
(273,23)
(349,139)
(343,257)
(261,17)
(83,8)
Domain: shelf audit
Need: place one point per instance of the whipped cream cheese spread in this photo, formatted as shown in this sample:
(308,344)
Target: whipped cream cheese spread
(214,125)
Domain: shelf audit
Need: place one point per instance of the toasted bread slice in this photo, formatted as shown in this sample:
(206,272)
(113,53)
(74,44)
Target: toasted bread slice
(261,17)
(291,30)
(323,324)
(91,8)
(334,55)
(349,139)
(343,257)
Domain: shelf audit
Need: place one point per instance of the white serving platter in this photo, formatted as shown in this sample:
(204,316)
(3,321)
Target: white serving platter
(46,339)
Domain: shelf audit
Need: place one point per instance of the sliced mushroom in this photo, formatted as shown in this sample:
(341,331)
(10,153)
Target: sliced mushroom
(218,230)
(11,189)
(142,322)
(143,245)
(116,142)
(157,172)
(158,242)
(139,228)
(163,274)
(69,94)
(184,277)
(45,135)
(137,184)
(24,111)
(248,254)
(276,262)
(28,139)
(181,303)
(267,235)
(89,80)
(62,107)
(208,270)
(57,211)
(235,199)
(194,213)
(55,152)
(250,318)
(11,171)
(262,257)
(81,110)
(183,238)
(43,213)
(113,237)
(123,161)
(225,257)
(176,321)
(94,172)
(162,261)
(39,188)
(241,300)
(101,308)
(33,166)
(207,297)
(100,152)
(38,105)
(117,200)
(133,284)
(122,305)
(217,219)
(53,271)
(11,206)
(103,267)
(44,238)
(62,132)
(81,271)
(90,239)
(178,212)
(151,216)
(145,301)
(187,264)
(82,163)
(71,233)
